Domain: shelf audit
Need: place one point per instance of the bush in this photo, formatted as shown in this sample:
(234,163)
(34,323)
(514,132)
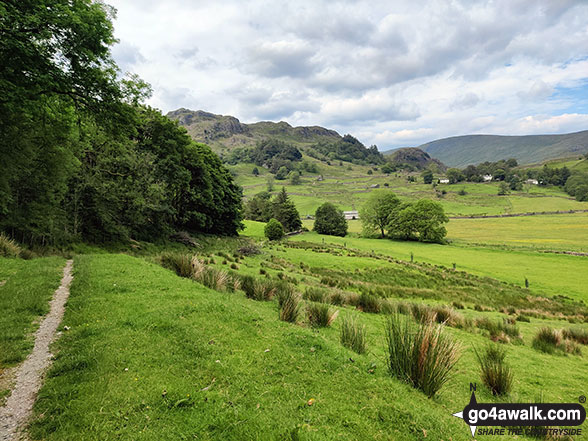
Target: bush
(353,335)
(369,303)
(8,247)
(320,315)
(274,230)
(420,354)
(495,373)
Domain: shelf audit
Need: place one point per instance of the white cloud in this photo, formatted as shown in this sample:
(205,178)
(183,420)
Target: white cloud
(392,74)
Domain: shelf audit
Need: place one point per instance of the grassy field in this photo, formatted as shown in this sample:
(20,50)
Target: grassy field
(151,356)
(24,297)
(543,270)
(561,232)
(567,232)
(349,189)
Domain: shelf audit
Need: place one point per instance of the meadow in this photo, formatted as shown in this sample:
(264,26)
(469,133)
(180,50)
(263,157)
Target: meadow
(150,355)
(349,189)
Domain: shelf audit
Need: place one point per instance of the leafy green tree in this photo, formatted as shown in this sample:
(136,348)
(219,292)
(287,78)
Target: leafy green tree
(273,230)
(503,189)
(282,173)
(328,219)
(378,212)
(258,208)
(577,186)
(284,210)
(427,176)
(455,175)
(295,177)
(423,220)
(255,171)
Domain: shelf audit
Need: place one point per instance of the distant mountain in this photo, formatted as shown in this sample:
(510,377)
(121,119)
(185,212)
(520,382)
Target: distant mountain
(222,133)
(414,157)
(460,151)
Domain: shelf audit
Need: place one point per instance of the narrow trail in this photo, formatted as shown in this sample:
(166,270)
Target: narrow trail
(29,375)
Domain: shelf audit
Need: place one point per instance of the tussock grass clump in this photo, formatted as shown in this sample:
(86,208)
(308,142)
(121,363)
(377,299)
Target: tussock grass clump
(353,335)
(180,263)
(577,334)
(500,331)
(337,298)
(264,290)
(495,372)
(523,318)
(289,303)
(314,294)
(551,340)
(422,313)
(8,247)
(320,315)
(369,303)
(213,278)
(404,308)
(420,354)
(458,305)
(387,306)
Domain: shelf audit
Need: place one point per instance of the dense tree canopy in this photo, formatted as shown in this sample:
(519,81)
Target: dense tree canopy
(378,211)
(80,158)
(262,208)
(328,219)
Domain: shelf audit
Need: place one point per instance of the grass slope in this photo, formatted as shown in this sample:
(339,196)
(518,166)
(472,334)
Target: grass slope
(544,271)
(151,356)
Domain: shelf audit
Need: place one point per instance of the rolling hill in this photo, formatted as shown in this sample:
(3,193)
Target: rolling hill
(415,157)
(460,151)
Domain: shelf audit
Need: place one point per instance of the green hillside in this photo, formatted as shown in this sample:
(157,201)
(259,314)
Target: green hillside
(223,133)
(460,151)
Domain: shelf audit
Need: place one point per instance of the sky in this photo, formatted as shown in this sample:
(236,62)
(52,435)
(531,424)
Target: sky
(392,73)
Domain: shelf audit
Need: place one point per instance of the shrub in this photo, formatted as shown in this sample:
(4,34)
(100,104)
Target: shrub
(320,315)
(274,230)
(495,372)
(262,271)
(420,354)
(289,303)
(8,247)
(353,335)
(369,303)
